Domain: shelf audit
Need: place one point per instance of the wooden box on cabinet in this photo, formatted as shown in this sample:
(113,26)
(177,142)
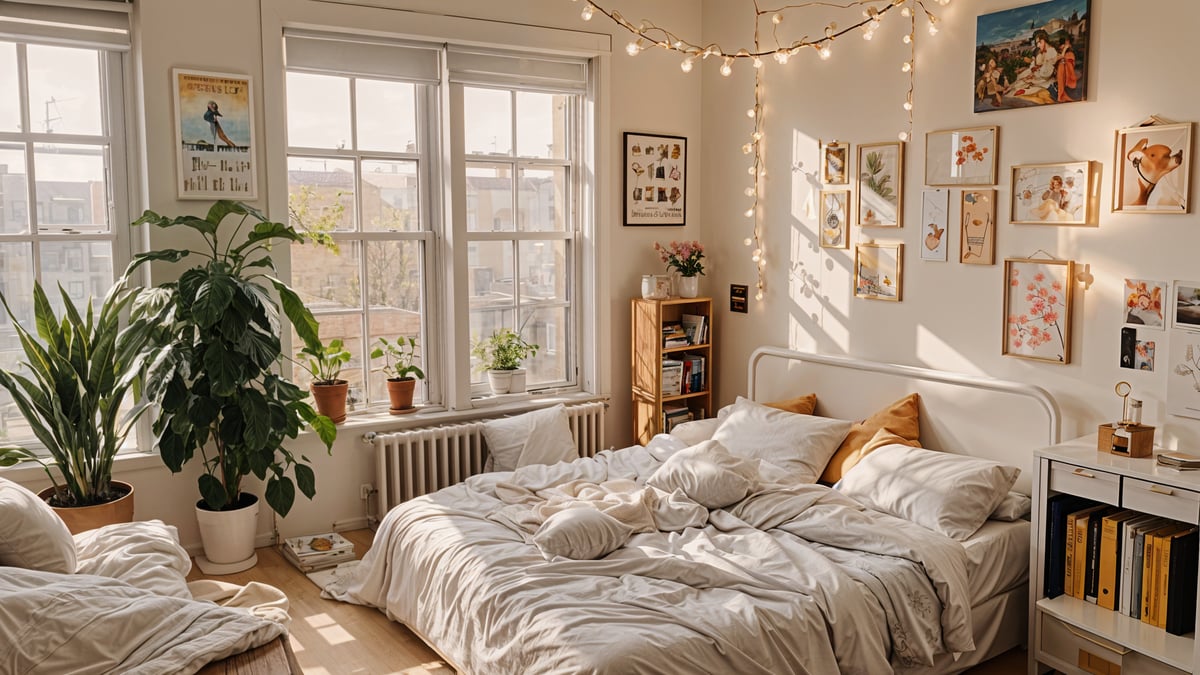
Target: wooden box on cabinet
(648,353)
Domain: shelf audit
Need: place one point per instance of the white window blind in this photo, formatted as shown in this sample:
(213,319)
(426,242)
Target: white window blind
(362,57)
(100,24)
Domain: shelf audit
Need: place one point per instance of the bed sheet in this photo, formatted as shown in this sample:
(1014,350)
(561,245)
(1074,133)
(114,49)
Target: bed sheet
(997,558)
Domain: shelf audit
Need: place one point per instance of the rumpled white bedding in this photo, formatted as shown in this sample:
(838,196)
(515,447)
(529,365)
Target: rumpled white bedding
(129,609)
(797,580)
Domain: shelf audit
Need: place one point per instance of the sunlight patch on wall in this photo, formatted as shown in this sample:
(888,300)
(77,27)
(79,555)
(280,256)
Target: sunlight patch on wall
(802,202)
(934,352)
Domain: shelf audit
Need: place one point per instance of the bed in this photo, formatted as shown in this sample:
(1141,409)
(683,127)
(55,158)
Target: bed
(789,577)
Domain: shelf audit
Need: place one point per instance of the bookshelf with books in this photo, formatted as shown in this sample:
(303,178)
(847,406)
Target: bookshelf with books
(1113,577)
(672,363)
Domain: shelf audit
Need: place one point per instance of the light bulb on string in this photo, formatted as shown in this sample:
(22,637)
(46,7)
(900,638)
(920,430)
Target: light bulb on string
(757,136)
(905,12)
(750,112)
(727,66)
(907,39)
(747,149)
(747,241)
(686,64)
(758,295)
(777,19)
(757,62)
(782,56)
(633,48)
(749,213)
(825,52)
(933,29)
(906,67)
(903,135)
(587,12)
(749,192)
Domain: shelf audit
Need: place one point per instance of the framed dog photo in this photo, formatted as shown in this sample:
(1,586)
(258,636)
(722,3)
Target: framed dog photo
(880,184)
(1037,309)
(1054,194)
(935,220)
(655,179)
(1153,169)
(835,163)
(877,270)
(977,235)
(835,206)
(961,157)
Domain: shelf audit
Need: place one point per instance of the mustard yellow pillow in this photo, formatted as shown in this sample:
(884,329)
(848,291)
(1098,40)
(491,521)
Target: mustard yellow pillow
(802,405)
(899,418)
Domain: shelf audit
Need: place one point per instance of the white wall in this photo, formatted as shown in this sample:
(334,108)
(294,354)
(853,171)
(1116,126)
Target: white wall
(646,94)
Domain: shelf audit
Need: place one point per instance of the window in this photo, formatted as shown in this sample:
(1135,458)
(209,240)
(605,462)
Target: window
(61,117)
(443,244)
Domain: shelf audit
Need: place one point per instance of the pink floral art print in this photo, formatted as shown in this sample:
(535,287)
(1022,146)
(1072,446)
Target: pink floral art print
(1037,309)
(961,157)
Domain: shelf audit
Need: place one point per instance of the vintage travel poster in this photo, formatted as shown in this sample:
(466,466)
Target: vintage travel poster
(214,123)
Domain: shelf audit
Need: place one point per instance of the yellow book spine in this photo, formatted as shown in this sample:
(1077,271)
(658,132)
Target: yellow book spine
(1163,552)
(1081,537)
(1069,558)
(1105,596)
(1148,571)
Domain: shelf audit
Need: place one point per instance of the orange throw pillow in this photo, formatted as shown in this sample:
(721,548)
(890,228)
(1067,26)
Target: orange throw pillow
(899,418)
(803,405)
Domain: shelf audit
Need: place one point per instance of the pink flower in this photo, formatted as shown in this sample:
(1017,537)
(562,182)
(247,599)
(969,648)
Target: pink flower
(1050,318)
(1039,277)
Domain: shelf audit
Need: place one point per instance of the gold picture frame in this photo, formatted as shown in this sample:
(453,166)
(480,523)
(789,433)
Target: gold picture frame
(962,156)
(1038,304)
(881,184)
(977,228)
(878,271)
(835,163)
(1064,193)
(835,219)
(1153,169)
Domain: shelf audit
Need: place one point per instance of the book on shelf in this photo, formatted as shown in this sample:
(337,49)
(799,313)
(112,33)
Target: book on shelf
(696,328)
(1130,574)
(1057,508)
(693,372)
(1112,527)
(1178,460)
(673,335)
(1076,555)
(1091,572)
(672,377)
(1181,584)
(674,415)
(1151,579)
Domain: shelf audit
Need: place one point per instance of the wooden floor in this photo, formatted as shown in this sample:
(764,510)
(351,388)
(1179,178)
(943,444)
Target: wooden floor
(331,637)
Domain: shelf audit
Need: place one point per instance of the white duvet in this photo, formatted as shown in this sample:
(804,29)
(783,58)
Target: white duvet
(798,580)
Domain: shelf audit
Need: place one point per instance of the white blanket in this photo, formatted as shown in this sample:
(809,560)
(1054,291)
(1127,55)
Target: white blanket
(799,580)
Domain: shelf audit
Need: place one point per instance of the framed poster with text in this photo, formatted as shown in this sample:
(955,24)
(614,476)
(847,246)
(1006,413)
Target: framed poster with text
(214,135)
(655,185)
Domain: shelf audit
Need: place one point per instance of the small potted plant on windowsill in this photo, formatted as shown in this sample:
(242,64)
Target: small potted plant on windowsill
(329,391)
(398,358)
(501,356)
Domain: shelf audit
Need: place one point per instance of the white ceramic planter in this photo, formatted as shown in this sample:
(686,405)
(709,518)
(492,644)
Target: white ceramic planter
(517,385)
(689,287)
(228,538)
(500,381)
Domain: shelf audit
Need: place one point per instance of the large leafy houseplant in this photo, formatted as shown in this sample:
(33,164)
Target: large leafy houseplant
(77,372)
(216,379)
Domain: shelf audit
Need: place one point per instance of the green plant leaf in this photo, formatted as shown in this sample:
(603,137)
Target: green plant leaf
(281,494)
(212,492)
(212,299)
(306,480)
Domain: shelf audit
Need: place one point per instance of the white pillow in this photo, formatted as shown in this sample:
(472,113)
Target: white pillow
(707,474)
(944,492)
(537,437)
(798,444)
(696,431)
(32,536)
(581,533)
(144,554)
(1014,506)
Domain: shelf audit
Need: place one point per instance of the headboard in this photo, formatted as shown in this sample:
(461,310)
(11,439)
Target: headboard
(965,414)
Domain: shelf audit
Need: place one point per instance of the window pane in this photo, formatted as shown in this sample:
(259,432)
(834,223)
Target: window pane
(14,189)
(393,324)
(321,194)
(327,280)
(84,268)
(543,199)
(483,324)
(387,115)
(490,273)
(10,99)
(489,197)
(16,283)
(70,190)
(64,90)
(487,121)
(544,270)
(547,327)
(541,125)
(394,275)
(347,328)
(318,111)
(389,200)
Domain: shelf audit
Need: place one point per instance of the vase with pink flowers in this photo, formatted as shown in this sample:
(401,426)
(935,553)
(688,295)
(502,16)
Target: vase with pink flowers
(686,258)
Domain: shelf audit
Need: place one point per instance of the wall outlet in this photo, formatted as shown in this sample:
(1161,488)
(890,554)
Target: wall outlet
(364,491)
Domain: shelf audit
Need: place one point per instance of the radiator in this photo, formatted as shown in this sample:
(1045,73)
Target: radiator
(415,462)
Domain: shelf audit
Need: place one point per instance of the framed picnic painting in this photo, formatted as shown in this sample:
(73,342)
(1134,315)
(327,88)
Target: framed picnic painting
(835,163)
(935,219)
(655,179)
(1037,308)
(1153,169)
(1054,194)
(977,233)
(214,135)
(961,157)
(880,184)
(877,271)
(835,217)
(1032,55)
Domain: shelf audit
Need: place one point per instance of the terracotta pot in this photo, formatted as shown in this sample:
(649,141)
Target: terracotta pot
(83,518)
(331,399)
(228,536)
(400,393)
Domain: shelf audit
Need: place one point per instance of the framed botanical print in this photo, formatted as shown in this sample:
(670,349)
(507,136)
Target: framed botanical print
(935,220)
(655,179)
(880,184)
(835,205)
(1153,169)
(977,236)
(1037,308)
(1032,55)
(214,135)
(877,271)
(961,156)
(1054,194)
(835,163)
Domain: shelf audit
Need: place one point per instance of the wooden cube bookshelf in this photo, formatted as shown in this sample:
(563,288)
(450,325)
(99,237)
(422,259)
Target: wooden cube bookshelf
(648,354)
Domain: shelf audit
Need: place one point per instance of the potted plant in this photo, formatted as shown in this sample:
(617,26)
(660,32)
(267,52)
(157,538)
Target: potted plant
(398,358)
(216,380)
(80,369)
(501,355)
(325,363)
(686,258)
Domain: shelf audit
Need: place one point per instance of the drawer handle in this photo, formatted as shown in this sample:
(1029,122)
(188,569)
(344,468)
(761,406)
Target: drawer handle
(1083,473)
(1089,638)
(1162,490)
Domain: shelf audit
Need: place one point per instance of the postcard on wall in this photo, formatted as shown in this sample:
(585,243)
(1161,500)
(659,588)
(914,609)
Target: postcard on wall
(1032,55)
(1183,376)
(1144,300)
(977,236)
(655,179)
(834,218)
(1187,305)
(1136,354)
(880,184)
(935,216)
(214,127)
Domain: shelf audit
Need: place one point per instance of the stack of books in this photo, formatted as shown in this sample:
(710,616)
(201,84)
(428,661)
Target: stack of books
(693,373)
(1178,460)
(674,415)
(317,551)
(673,335)
(696,328)
(672,377)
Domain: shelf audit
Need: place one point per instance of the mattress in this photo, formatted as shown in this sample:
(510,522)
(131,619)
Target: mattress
(997,558)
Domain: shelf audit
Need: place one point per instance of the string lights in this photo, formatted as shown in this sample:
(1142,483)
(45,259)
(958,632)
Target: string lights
(647,35)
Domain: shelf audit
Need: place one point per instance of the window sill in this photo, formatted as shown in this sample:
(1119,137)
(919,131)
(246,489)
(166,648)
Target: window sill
(127,461)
